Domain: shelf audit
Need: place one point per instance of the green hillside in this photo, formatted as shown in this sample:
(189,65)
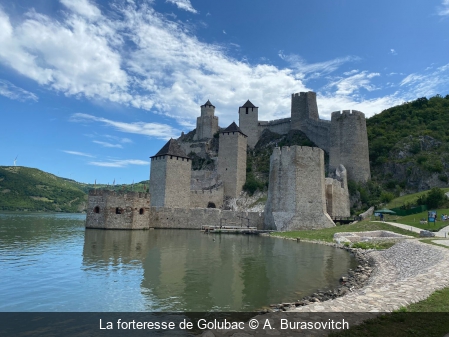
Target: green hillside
(30,189)
(409,121)
(24,188)
(409,144)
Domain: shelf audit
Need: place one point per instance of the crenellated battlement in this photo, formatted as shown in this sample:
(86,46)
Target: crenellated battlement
(274,122)
(349,113)
(109,193)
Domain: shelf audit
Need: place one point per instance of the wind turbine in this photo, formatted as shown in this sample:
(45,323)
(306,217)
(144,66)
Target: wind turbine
(15,160)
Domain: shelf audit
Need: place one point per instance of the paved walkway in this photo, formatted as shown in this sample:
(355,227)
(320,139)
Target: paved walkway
(441,242)
(442,233)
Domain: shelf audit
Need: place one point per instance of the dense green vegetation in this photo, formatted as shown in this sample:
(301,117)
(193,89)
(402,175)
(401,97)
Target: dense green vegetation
(422,117)
(409,199)
(23,188)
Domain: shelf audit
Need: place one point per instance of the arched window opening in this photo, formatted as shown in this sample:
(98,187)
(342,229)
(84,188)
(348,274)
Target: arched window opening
(118,210)
(97,209)
(211,205)
(141,211)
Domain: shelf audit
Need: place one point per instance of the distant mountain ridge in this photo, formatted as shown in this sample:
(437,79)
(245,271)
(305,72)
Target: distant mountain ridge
(30,189)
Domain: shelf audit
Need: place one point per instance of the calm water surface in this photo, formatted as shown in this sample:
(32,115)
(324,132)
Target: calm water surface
(50,262)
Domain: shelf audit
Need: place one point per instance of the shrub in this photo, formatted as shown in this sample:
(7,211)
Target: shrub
(433,199)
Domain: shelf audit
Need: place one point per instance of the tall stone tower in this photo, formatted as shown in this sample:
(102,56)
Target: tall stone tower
(207,123)
(349,144)
(296,190)
(170,177)
(304,108)
(248,122)
(232,160)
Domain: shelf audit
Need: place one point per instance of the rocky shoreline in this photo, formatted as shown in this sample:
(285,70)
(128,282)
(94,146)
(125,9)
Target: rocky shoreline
(355,279)
(406,273)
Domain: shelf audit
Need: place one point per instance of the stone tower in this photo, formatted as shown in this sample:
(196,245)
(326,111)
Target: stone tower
(248,122)
(117,210)
(296,190)
(170,177)
(207,123)
(349,144)
(304,108)
(232,160)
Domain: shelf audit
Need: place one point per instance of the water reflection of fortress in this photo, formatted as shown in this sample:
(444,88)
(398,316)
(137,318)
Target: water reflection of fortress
(185,270)
(299,195)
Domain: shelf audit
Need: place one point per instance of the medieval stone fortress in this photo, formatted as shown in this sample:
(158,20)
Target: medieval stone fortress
(299,194)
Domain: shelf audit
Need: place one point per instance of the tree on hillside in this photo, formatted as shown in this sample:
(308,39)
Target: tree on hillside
(433,199)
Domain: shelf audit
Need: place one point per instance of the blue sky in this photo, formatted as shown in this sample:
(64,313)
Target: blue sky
(90,89)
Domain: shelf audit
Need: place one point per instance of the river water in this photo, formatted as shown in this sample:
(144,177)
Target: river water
(50,262)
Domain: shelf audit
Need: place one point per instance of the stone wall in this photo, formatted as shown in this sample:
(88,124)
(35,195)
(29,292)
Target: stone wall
(170,181)
(337,194)
(116,210)
(157,186)
(175,218)
(136,213)
(318,131)
(349,144)
(199,148)
(202,198)
(296,190)
(248,121)
(203,179)
(280,126)
(232,162)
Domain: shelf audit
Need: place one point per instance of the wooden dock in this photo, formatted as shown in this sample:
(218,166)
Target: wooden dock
(232,230)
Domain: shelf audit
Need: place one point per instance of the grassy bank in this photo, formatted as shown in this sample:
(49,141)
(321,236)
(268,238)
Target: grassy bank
(327,234)
(413,220)
(408,199)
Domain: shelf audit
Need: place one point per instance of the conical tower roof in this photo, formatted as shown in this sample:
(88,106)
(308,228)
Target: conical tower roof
(171,148)
(208,103)
(233,128)
(248,104)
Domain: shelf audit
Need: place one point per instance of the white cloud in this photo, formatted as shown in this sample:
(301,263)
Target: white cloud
(161,131)
(427,84)
(11,91)
(184,4)
(352,72)
(119,163)
(393,52)
(334,102)
(224,32)
(106,144)
(444,10)
(82,7)
(348,85)
(74,57)
(316,69)
(76,153)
